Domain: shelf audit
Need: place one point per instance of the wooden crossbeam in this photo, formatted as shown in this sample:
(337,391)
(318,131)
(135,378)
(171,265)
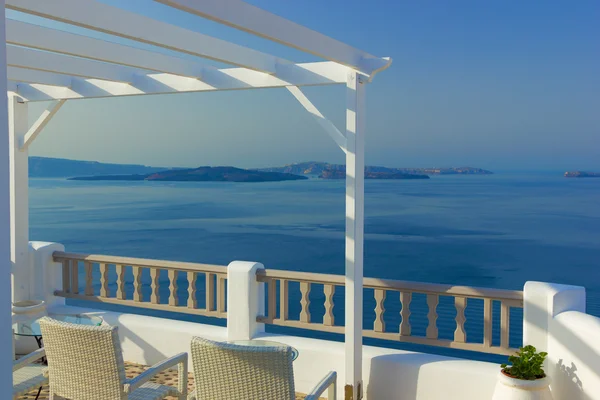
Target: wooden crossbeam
(254,20)
(337,136)
(48,39)
(41,122)
(102,17)
(308,74)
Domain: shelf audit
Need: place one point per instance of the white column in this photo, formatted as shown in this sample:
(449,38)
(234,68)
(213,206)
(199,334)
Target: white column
(245,300)
(5,263)
(541,303)
(355,193)
(19,195)
(45,272)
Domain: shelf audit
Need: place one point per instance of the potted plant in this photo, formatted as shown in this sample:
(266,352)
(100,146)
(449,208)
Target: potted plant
(525,378)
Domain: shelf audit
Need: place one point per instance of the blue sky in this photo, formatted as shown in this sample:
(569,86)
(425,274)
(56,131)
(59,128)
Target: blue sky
(495,84)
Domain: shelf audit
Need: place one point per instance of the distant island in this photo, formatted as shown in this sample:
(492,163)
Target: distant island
(46,167)
(202,174)
(341,174)
(582,174)
(318,168)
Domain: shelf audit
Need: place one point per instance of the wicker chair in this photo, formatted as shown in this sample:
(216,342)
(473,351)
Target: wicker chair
(229,371)
(26,375)
(86,363)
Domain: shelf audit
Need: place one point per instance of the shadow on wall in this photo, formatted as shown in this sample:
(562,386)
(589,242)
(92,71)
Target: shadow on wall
(566,378)
(148,351)
(576,332)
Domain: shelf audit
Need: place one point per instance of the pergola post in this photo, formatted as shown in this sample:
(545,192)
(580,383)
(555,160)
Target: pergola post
(19,198)
(355,174)
(5,264)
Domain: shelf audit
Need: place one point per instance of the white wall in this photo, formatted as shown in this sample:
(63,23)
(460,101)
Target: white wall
(574,355)
(556,322)
(393,374)
(388,374)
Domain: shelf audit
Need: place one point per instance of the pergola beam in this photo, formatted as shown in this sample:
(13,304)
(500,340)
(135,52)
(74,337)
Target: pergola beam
(254,20)
(40,124)
(337,136)
(101,17)
(42,38)
(52,62)
(17,74)
(308,74)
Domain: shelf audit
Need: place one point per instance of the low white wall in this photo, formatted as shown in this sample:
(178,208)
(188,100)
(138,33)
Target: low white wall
(555,322)
(393,374)
(574,356)
(148,340)
(388,374)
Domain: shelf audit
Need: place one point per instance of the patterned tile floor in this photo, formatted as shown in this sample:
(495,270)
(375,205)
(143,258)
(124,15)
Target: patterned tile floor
(133,370)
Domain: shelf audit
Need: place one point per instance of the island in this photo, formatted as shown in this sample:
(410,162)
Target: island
(49,167)
(317,168)
(45,167)
(582,174)
(201,174)
(341,174)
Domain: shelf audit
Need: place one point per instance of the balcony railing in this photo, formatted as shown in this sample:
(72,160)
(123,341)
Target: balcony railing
(403,332)
(113,269)
(438,313)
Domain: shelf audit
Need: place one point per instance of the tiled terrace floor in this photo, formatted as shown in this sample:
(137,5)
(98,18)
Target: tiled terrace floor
(132,370)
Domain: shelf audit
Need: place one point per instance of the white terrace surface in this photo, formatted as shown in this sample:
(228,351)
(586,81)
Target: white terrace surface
(39,63)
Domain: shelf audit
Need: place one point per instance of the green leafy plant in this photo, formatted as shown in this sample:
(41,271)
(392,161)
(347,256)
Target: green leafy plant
(526,364)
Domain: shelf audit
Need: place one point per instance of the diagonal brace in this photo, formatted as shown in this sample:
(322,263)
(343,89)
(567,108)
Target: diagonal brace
(39,125)
(338,137)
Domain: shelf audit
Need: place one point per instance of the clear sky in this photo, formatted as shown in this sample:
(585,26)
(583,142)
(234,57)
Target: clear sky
(503,84)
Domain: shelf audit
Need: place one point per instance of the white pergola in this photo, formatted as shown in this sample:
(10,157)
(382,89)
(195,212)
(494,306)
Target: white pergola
(44,64)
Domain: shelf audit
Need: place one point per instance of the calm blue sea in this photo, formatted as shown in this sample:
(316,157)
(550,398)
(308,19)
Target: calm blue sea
(492,231)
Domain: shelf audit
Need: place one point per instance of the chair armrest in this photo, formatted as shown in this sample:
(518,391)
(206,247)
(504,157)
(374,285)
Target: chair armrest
(181,360)
(329,382)
(28,359)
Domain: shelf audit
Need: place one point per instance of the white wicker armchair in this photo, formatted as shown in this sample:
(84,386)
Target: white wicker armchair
(86,363)
(27,375)
(229,371)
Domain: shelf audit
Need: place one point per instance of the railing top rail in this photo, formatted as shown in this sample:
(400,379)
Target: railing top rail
(407,286)
(141,262)
(443,289)
(262,274)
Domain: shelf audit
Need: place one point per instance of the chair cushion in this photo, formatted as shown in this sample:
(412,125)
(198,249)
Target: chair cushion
(152,391)
(28,378)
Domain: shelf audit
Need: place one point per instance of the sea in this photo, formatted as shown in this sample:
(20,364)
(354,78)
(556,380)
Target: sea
(495,231)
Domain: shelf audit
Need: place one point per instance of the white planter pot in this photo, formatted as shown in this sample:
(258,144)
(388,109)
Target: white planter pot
(24,311)
(508,388)
(28,310)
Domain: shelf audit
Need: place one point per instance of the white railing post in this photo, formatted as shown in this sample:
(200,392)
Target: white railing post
(19,198)
(45,273)
(245,300)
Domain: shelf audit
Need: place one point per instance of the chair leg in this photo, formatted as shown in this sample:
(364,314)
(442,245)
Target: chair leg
(38,393)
